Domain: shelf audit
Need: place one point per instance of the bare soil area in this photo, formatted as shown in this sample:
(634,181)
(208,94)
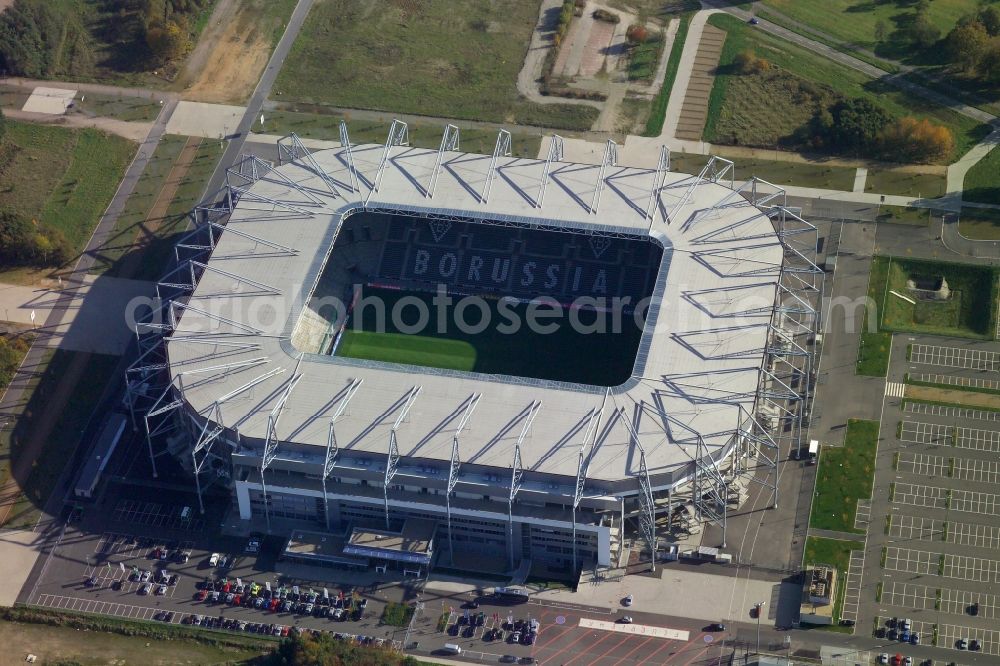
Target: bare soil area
(230,56)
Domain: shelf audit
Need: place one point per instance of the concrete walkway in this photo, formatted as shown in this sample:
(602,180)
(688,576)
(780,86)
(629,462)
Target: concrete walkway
(859,179)
(694,110)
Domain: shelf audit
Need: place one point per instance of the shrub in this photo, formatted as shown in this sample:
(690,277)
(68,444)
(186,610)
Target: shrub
(912,140)
(747,62)
(565,16)
(24,242)
(636,34)
(605,15)
(966,44)
(851,125)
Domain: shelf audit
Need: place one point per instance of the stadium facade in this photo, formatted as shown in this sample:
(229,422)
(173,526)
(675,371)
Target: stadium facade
(235,377)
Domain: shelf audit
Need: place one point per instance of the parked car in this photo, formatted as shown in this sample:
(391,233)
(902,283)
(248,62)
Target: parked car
(625,619)
(145,588)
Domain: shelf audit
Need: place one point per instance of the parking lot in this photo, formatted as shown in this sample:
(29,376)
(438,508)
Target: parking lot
(940,542)
(106,571)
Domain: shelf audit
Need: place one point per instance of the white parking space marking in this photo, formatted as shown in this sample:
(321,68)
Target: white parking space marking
(923,464)
(951,380)
(967,469)
(912,561)
(917,495)
(978,440)
(101,608)
(852,589)
(976,569)
(972,534)
(923,629)
(635,629)
(908,595)
(863,515)
(955,357)
(951,412)
(916,527)
(970,501)
(950,634)
(926,433)
(958,602)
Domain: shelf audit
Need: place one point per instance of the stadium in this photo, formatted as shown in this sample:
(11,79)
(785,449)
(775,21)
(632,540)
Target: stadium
(348,344)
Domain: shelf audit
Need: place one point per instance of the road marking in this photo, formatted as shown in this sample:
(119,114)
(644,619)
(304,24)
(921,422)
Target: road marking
(635,629)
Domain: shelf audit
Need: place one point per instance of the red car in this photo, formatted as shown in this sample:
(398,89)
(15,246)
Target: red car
(274,604)
(226,587)
(284,631)
(201,595)
(238,600)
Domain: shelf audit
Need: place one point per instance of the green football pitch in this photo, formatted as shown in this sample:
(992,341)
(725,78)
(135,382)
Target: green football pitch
(568,355)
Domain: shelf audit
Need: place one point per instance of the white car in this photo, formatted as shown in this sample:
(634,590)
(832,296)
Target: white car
(213,560)
(627,600)
(883,658)
(906,624)
(625,619)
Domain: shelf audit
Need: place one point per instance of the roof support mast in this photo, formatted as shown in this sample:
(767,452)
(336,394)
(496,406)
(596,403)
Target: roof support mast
(392,460)
(610,159)
(517,473)
(555,154)
(271,442)
(330,459)
(449,143)
(583,465)
(399,135)
(454,465)
(502,149)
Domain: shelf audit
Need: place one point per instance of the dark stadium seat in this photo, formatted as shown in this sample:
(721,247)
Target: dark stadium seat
(393,261)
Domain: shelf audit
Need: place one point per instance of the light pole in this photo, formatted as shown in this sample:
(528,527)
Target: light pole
(760,608)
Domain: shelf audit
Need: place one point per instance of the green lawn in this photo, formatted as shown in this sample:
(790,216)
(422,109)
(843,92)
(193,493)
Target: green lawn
(65,433)
(757,111)
(65,178)
(874,346)
(494,350)
(422,135)
(13,348)
(906,184)
(397,615)
(854,22)
(188,195)
(138,206)
(982,182)
(845,476)
(435,58)
(836,553)
(658,111)
(969,312)
(803,174)
(979,223)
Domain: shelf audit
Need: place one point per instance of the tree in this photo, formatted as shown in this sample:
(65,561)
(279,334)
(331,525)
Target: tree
(922,32)
(912,140)
(966,44)
(636,34)
(881,30)
(747,62)
(990,18)
(167,41)
(856,124)
(989,62)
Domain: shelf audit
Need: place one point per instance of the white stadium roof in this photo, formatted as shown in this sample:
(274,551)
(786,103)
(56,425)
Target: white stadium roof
(700,365)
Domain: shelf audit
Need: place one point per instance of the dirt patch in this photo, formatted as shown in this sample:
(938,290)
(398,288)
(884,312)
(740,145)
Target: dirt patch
(4,4)
(953,397)
(230,57)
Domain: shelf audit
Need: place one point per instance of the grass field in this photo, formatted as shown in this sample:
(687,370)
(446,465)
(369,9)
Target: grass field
(434,58)
(65,432)
(133,109)
(979,223)
(855,23)
(422,135)
(836,553)
(904,183)
(62,177)
(970,312)
(845,476)
(803,174)
(982,181)
(917,217)
(756,111)
(136,231)
(524,353)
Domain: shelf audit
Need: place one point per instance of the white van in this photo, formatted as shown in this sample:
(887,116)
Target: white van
(451,648)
